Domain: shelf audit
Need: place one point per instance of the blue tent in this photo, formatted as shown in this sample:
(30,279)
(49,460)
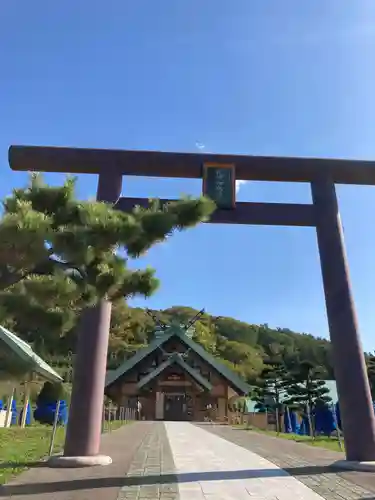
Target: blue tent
(45,414)
(14,412)
(324,421)
(291,425)
(304,429)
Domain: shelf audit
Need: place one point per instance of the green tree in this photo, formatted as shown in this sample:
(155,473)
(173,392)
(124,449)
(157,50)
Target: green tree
(50,393)
(271,389)
(246,359)
(307,390)
(71,254)
(271,385)
(205,336)
(42,310)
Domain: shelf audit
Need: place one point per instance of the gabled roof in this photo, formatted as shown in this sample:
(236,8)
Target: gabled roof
(234,380)
(130,363)
(18,358)
(175,359)
(237,383)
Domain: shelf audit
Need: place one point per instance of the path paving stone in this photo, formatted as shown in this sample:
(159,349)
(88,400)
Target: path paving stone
(310,465)
(209,467)
(151,474)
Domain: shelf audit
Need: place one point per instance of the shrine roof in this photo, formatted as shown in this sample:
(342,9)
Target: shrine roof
(238,384)
(175,359)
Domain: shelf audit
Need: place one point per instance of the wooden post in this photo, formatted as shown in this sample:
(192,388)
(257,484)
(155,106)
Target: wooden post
(55,422)
(103,419)
(85,420)
(277,411)
(9,407)
(337,426)
(357,412)
(309,419)
(109,416)
(26,402)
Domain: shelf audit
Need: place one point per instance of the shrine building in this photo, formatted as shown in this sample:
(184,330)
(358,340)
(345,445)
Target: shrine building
(175,378)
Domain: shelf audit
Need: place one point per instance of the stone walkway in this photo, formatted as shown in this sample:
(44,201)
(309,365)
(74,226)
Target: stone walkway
(212,468)
(182,461)
(151,474)
(311,465)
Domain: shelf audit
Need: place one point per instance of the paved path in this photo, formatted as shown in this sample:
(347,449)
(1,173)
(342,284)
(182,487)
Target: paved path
(151,474)
(310,464)
(212,468)
(182,461)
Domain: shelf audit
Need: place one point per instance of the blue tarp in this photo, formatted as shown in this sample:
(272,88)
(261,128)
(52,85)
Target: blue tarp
(14,420)
(304,429)
(324,421)
(14,412)
(291,425)
(45,414)
(338,415)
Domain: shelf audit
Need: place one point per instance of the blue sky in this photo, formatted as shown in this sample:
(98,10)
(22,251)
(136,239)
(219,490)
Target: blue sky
(258,77)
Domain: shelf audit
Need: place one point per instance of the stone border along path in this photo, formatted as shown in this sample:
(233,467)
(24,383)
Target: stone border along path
(307,463)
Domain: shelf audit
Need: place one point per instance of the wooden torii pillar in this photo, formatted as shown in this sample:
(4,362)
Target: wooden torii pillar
(348,358)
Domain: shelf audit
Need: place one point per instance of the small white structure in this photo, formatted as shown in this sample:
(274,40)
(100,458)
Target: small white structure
(4,421)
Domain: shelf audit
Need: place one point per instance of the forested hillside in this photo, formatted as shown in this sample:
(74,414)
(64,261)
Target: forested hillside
(244,347)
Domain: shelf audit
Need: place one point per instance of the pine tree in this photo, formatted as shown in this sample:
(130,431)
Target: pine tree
(59,255)
(307,391)
(271,389)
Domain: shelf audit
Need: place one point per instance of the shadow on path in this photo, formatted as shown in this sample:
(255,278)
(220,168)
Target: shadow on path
(119,482)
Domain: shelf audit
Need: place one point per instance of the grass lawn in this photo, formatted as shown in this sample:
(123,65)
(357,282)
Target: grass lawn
(20,447)
(330,443)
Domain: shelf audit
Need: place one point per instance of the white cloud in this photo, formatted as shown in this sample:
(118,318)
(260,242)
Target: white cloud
(239,184)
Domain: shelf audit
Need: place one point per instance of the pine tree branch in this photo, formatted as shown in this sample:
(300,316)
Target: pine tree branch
(9,278)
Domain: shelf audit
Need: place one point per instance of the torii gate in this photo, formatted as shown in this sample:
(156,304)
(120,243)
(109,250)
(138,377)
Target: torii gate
(219,173)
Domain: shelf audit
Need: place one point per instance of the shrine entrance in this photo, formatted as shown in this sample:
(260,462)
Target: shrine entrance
(175,406)
(219,174)
(177,379)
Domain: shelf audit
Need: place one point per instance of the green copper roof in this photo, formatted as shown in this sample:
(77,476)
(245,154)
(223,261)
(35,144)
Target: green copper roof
(130,363)
(150,376)
(175,359)
(18,359)
(239,385)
